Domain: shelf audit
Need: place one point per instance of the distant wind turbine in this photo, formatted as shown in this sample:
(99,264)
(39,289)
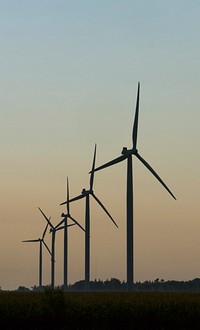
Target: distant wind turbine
(127,154)
(53,232)
(41,241)
(86,194)
(65,222)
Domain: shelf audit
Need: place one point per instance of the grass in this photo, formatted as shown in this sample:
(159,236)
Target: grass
(102,310)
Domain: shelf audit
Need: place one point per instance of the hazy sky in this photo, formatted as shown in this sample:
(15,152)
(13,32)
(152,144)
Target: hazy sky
(69,74)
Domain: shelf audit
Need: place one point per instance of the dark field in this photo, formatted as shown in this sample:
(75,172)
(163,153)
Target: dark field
(58,310)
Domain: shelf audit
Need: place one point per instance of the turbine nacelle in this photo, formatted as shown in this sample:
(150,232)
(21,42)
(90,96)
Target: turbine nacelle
(126,151)
(63,215)
(86,192)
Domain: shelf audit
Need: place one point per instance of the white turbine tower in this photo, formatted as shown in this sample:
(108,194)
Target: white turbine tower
(86,194)
(40,241)
(127,154)
(65,227)
(53,237)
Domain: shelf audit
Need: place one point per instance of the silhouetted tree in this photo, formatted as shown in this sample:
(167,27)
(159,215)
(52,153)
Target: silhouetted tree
(23,289)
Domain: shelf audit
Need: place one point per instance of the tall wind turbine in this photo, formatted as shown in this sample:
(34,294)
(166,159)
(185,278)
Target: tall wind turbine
(53,232)
(65,222)
(86,194)
(127,154)
(41,241)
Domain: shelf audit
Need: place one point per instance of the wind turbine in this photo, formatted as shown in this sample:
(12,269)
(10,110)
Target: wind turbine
(41,241)
(127,154)
(53,232)
(65,222)
(86,194)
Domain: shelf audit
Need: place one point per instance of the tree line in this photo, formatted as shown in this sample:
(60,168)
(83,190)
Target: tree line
(115,284)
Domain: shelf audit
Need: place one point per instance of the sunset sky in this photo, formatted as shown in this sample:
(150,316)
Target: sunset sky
(69,74)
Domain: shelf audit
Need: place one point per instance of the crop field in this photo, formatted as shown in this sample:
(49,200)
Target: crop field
(104,310)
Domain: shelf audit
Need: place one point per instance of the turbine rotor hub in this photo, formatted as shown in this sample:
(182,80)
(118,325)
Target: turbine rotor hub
(134,151)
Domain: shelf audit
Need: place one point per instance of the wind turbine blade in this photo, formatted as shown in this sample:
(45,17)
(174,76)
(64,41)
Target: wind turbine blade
(73,199)
(103,207)
(59,228)
(31,240)
(93,166)
(48,220)
(43,214)
(46,247)
(77,223)
(68,196)
(154,173)
(63,227)
(60,223)
(44,233)
(135,125)
(71,224)
(112,162)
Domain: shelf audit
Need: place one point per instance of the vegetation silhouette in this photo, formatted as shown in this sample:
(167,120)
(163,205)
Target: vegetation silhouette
(56,309)
(115,285)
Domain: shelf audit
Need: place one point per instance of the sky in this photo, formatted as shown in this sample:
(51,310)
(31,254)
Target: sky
(69,75)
